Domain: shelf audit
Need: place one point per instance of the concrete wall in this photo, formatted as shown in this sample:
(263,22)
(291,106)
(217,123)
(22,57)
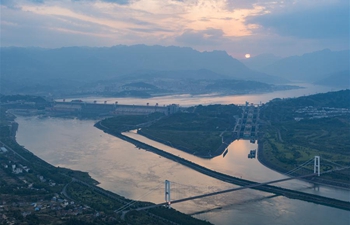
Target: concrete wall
(112,109)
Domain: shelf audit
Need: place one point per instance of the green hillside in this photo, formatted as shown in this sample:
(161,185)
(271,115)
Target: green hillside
(297,129)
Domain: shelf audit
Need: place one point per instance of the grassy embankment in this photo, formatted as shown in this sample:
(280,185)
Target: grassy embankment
(204,131)
(288,142)
(123,123)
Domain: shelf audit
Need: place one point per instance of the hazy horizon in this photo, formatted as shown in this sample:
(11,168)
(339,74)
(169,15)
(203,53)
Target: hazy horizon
(239,58)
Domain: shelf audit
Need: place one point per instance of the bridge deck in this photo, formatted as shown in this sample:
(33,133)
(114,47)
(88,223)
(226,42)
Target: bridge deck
(282,191)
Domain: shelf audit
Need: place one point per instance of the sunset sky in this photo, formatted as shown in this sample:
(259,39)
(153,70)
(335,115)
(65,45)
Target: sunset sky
(284,28)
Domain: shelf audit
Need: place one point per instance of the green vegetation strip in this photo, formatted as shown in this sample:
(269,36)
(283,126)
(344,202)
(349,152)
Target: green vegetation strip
(204,131)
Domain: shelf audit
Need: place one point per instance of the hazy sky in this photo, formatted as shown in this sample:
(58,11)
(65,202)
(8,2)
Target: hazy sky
(283,28)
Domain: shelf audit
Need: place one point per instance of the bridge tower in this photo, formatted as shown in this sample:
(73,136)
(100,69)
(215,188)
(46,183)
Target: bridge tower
(167,192)
(317,165)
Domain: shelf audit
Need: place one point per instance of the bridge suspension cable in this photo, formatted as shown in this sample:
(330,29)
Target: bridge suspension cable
(299,167)
(177,189)
(131,203)
(272,189)
(337,169)
(240,188)
(181,185)
(336,164)
(316,172)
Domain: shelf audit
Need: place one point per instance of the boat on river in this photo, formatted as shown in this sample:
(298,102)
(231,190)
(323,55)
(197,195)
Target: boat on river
(226,151)
(252,154)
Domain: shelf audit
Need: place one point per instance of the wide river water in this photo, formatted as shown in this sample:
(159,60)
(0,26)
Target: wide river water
(138,174)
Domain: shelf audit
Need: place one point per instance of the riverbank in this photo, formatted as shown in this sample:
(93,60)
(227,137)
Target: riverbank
(294,130)
(62,195)
(316,180)
(230,179)
(210,155)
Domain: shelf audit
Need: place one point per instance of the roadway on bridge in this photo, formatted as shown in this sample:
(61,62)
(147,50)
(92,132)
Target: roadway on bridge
(285,192)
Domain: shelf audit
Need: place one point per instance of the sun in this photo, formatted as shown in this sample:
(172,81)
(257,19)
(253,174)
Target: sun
(247,56)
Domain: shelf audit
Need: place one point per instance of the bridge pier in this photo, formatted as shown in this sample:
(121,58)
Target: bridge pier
(167,193)
(317,165)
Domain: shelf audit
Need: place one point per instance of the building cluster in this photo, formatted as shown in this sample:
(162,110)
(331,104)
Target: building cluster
(3,150)
(56,207)
(16,168)
(310,112)
(21,199)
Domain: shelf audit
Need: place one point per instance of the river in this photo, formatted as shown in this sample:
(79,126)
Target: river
(138,174)
(189,100)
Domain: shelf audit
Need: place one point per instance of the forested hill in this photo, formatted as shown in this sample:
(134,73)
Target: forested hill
(287,109)
(295,130)
(309,67)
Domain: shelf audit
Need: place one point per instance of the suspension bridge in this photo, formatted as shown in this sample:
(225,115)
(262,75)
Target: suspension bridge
(264,186)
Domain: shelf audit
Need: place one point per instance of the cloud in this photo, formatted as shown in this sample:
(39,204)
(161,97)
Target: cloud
(209,36)
(120,2)
(233,5)
(307,21)
(240,4)
(236,26)
(14,3)
(8,4)
(29,29)
(150,30)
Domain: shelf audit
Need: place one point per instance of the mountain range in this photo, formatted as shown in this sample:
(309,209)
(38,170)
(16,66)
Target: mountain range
(99,68)
(105,63)
(309,67)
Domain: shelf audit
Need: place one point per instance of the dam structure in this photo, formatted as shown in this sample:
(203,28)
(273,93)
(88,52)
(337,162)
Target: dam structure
(247,127)
(78,107)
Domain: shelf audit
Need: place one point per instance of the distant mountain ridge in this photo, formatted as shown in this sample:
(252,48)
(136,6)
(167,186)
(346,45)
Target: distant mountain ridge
(260,61)
(310,67)
(338,79)
(85,63)
(202,74)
